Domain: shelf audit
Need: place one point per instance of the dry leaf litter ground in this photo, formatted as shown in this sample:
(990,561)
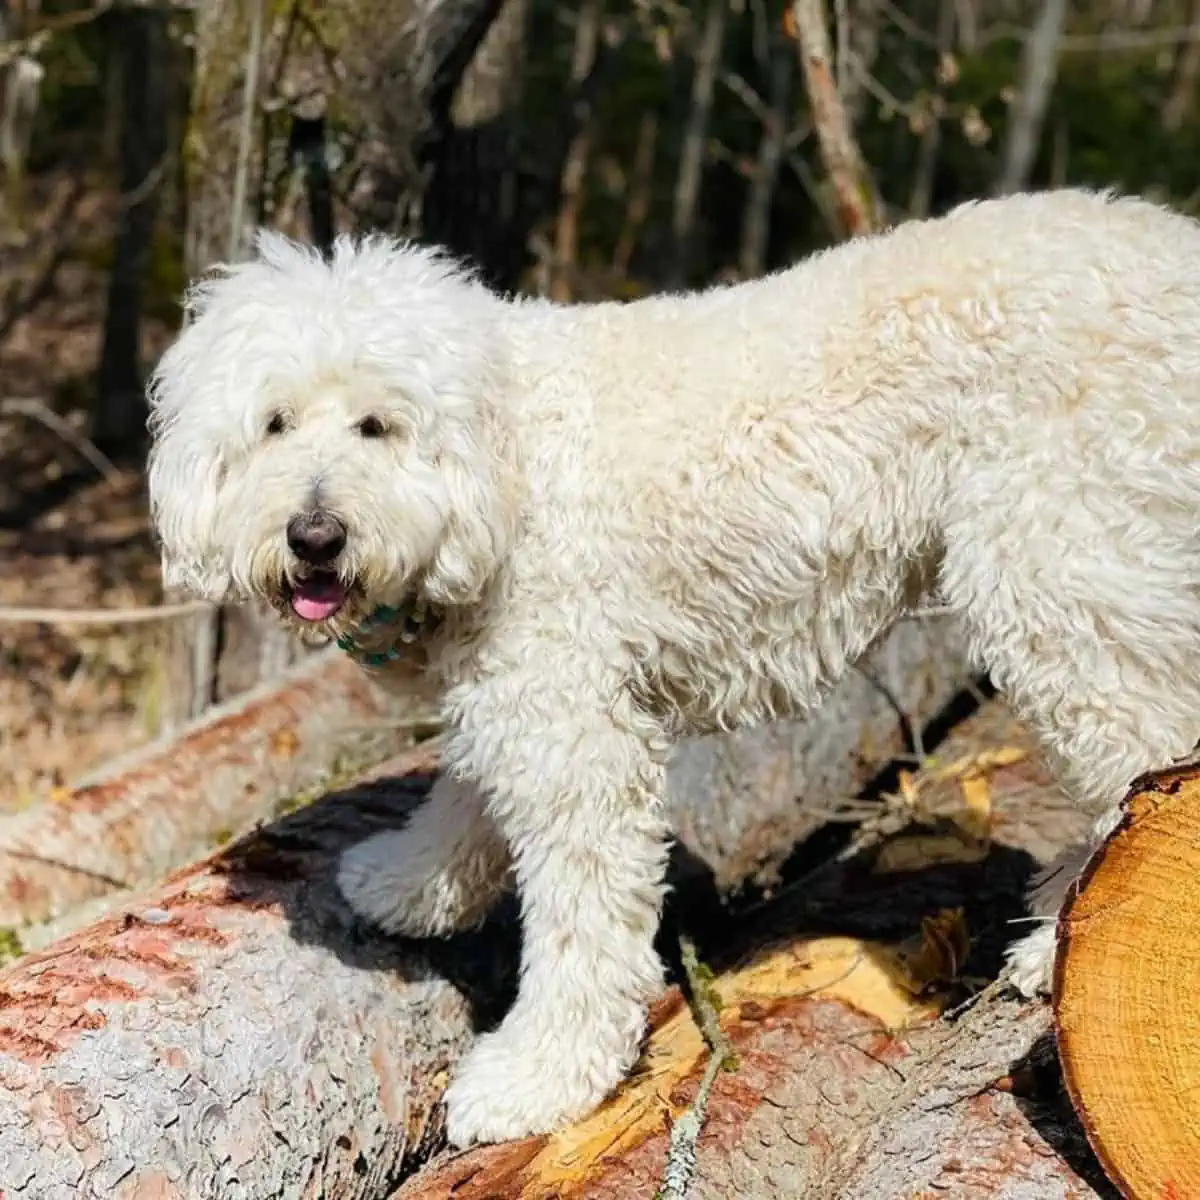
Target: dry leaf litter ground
(70,537)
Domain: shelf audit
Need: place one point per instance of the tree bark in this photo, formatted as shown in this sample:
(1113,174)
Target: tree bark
(845,1086)
(233,1034)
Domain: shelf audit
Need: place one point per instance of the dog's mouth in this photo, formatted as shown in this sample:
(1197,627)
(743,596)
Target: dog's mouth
(318,597)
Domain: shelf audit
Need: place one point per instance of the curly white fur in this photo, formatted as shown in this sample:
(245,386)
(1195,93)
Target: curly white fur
(693,512)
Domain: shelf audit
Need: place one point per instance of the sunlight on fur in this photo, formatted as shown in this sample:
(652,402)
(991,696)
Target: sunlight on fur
(691,513)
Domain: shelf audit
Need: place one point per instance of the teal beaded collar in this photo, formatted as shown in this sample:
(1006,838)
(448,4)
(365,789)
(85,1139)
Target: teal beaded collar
(411,619)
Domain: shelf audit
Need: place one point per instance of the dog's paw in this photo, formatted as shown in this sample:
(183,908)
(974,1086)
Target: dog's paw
(507,1088)
(393,882)
(1031,963)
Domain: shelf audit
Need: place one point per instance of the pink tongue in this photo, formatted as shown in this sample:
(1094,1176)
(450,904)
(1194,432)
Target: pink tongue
(318,599)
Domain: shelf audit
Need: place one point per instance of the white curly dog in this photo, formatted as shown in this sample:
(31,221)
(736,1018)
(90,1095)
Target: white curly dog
(600,528)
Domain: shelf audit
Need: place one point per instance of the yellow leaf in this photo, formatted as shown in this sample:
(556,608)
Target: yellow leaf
(909,790)
(977,796)
(937,957)
(983,762)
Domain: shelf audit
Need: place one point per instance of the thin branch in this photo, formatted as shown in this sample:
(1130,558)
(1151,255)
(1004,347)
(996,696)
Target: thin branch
(921,197)
(1187,71)
(909,724)
(641,183)
(681,1155)
(100,616)
(565,263)
(20,302)
(36,410)
(695,139)
(858,202)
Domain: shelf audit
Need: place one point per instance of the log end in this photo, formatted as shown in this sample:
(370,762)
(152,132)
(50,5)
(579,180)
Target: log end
(1127,992)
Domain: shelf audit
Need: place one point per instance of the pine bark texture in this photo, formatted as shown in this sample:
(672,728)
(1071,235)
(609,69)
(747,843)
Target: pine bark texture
(234,1034)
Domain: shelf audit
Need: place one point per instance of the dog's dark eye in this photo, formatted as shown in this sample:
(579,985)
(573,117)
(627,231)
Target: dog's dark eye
(276,425)
(372,427)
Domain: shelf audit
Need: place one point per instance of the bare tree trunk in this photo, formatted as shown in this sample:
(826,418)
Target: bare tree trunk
(1039,68)
(20,97)
(1187,70)
(139,43)
(756,217)
(859,207)
(695,143)
(565,264)
(921,196)
(637,204)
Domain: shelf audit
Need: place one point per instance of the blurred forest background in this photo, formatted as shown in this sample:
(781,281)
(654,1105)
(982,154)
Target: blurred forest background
(607,148)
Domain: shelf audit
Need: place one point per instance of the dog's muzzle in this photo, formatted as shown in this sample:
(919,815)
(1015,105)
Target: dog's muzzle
(317,538)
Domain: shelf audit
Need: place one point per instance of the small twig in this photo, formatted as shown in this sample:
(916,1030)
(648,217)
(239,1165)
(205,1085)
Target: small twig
(99,616)
(914,731)
(681,1155)
(36,410)
(72,868)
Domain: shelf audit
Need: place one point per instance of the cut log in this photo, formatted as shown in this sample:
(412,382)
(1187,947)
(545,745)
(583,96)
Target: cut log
(233,1034)
(1127,992)
(173,801)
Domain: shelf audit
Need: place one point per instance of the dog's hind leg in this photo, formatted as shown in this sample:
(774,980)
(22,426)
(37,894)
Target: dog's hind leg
(441,873)
(1085,609)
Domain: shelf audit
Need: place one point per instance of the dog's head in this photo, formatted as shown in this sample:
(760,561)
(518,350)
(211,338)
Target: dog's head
(326,434)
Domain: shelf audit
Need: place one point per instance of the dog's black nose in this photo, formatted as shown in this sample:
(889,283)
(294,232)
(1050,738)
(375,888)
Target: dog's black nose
(316,537)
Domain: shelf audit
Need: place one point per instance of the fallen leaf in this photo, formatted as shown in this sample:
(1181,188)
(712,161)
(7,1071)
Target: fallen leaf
(976,821)
(983,762)
(936,956)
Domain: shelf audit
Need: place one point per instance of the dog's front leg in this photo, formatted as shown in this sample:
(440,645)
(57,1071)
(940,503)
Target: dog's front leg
(441,873)
(582,808)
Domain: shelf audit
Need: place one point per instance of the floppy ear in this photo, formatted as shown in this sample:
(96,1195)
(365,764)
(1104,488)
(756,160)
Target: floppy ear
(482,517)
(185,471)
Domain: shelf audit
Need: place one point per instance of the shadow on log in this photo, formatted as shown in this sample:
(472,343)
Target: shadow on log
(234,1034)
